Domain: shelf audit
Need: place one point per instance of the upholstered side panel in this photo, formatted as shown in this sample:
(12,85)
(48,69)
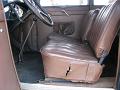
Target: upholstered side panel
(75,71)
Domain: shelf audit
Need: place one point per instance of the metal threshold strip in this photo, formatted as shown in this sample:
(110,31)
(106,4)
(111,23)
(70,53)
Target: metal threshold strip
(27,86)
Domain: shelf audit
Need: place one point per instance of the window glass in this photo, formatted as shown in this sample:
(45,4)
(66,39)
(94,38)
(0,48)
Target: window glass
(103,2)
(12,0)
(63,2)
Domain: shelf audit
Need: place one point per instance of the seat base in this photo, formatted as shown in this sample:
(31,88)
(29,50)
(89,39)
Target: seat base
(60,37)
(73,62)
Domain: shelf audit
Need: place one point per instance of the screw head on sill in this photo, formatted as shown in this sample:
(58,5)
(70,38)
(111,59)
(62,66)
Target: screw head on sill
(1,30)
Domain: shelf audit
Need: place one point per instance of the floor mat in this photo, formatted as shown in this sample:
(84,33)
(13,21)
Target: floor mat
(31,69)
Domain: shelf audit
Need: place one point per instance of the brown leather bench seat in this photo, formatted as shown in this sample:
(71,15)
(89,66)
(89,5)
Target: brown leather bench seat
(70,61)
(82,62)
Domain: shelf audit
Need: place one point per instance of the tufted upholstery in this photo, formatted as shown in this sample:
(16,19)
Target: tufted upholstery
(104,30)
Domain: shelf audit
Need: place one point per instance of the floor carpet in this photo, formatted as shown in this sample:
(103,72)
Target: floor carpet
(30,70)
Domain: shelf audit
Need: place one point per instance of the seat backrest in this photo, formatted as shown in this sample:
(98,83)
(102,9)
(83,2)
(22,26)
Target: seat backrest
(87,23)
(104,29)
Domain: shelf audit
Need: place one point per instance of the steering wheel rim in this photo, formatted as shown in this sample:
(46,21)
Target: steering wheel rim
(36,8)
(12,27)
(11,6)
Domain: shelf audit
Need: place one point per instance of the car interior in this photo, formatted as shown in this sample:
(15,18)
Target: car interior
(72,44)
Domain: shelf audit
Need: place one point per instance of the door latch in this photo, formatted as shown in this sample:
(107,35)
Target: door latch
(65,12)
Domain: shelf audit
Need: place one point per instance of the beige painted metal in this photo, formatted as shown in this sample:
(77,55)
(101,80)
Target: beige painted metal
(8,76)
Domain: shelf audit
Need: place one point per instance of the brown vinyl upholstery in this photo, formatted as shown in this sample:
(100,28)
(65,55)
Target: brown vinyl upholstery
(86,26)
(104,30)
(79,62)
(70,61)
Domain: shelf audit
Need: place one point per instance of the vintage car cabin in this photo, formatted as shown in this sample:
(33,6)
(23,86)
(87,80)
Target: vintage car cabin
(59,44)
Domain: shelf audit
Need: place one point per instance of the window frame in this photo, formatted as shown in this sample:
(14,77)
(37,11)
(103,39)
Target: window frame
(90,3)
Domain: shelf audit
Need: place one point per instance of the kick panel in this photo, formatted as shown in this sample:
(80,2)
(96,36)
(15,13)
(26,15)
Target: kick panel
(66,28)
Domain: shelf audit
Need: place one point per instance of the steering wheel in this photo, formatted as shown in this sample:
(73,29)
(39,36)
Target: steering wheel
(16,12)
(36,8)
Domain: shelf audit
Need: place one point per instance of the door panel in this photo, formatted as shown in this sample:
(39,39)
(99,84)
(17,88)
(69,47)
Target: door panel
(117,86)
(8,76)
(74,14)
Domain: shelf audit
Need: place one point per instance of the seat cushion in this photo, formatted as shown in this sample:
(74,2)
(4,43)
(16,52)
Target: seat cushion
(71,61)
(61,37)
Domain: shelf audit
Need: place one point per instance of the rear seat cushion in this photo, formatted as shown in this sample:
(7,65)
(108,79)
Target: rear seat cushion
(72,61)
